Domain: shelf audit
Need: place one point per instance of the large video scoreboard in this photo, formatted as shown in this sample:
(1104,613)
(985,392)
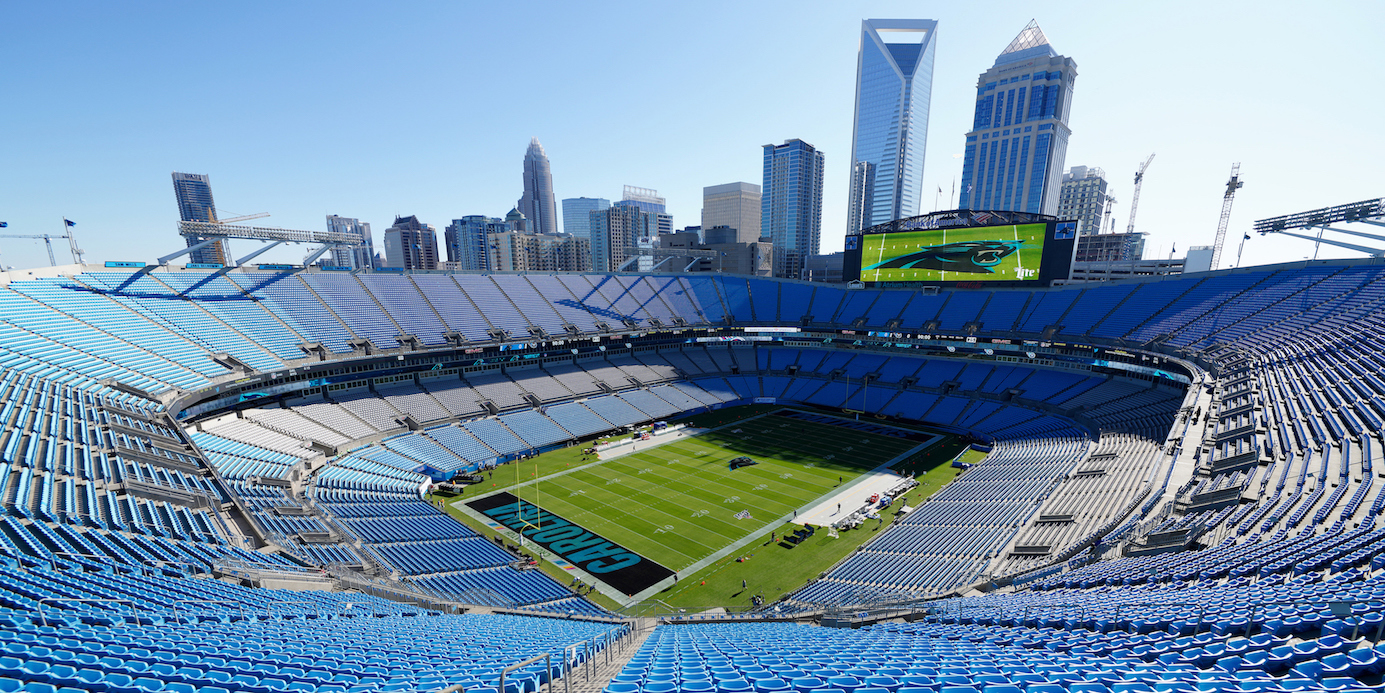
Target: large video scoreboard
(953,247)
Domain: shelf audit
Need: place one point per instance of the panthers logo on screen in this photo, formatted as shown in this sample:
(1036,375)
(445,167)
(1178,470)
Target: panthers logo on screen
(976,257)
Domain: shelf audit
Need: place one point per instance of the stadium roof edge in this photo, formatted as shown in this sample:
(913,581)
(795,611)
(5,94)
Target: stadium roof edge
(69,270)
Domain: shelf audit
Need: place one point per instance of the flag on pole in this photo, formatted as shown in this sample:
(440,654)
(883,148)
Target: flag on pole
(69,222)
(1246,238)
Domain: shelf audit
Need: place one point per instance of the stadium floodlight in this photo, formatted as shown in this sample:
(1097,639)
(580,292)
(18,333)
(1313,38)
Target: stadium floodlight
(1365,211)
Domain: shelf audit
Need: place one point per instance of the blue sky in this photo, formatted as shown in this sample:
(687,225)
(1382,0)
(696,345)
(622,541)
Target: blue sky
(303,109)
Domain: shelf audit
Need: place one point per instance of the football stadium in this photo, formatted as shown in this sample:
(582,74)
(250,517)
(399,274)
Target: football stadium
(297,479)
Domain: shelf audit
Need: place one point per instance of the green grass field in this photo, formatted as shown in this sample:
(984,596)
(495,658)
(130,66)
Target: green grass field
(675,503)
(771,569)
(1021,264)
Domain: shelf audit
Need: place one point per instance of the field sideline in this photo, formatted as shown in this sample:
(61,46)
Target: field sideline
(676,503)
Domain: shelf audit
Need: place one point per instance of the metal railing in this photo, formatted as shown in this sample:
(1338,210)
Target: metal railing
(53,560)
(269,607)
(239,605)
(548,663)
(43,614)
(147,565)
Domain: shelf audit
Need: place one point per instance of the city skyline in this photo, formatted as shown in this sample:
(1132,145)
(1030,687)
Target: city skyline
(93,136)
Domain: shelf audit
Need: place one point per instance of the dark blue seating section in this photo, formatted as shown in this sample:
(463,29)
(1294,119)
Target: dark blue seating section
(148,634)
(143,329)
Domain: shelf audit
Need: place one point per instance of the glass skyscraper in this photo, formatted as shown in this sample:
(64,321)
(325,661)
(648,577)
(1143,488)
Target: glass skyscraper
(359,256)
(577,214)
(1019,139)
(791,204)
(465,240)
(194,193)
(537,203)
(618,229)
(648,200)
(894,83)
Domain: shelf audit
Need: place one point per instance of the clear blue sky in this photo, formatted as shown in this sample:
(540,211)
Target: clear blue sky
(305,109)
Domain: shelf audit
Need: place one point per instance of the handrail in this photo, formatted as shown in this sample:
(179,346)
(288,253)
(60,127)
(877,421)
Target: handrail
(548,662)
(53,562)
(43,616)
(148,563)
(240,605)
(269,607)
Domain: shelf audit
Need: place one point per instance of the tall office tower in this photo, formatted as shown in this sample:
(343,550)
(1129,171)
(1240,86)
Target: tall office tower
(194,193)
(791,204)
(735,205)
(359,256)
(649,201)
(411,244)
(1083,197)
(577,214)
(537,204)
(465,240)
(894,83)
(1014,155)
(618,229)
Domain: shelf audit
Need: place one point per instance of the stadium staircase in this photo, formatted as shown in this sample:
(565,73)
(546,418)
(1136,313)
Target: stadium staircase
(598,671)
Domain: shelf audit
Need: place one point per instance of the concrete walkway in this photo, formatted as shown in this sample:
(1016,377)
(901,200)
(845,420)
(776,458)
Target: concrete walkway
(594,678)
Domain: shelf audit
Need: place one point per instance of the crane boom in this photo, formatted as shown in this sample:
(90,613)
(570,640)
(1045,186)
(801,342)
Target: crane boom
(243,217)
(47,240)
(1232,185)
(1135,197)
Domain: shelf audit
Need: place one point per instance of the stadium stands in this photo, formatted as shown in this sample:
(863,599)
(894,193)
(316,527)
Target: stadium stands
(1237,412)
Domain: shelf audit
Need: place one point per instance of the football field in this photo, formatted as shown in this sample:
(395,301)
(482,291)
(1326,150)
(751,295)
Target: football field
(680,502)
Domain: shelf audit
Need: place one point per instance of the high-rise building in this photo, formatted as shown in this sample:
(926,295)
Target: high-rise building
(411,244)
(894,83)
(1083,197)
(517,251)
(734,205)
(649,201)
(1014,154)
(791,204)
(194,193)
(465,240)
(358,256)
(577,214)
(537,203)
(618,229)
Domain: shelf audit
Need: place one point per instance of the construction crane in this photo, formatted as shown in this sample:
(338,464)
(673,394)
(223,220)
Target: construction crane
(1232,185)
(244,217)
(1105,215)
(1135,197)
(47,240)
